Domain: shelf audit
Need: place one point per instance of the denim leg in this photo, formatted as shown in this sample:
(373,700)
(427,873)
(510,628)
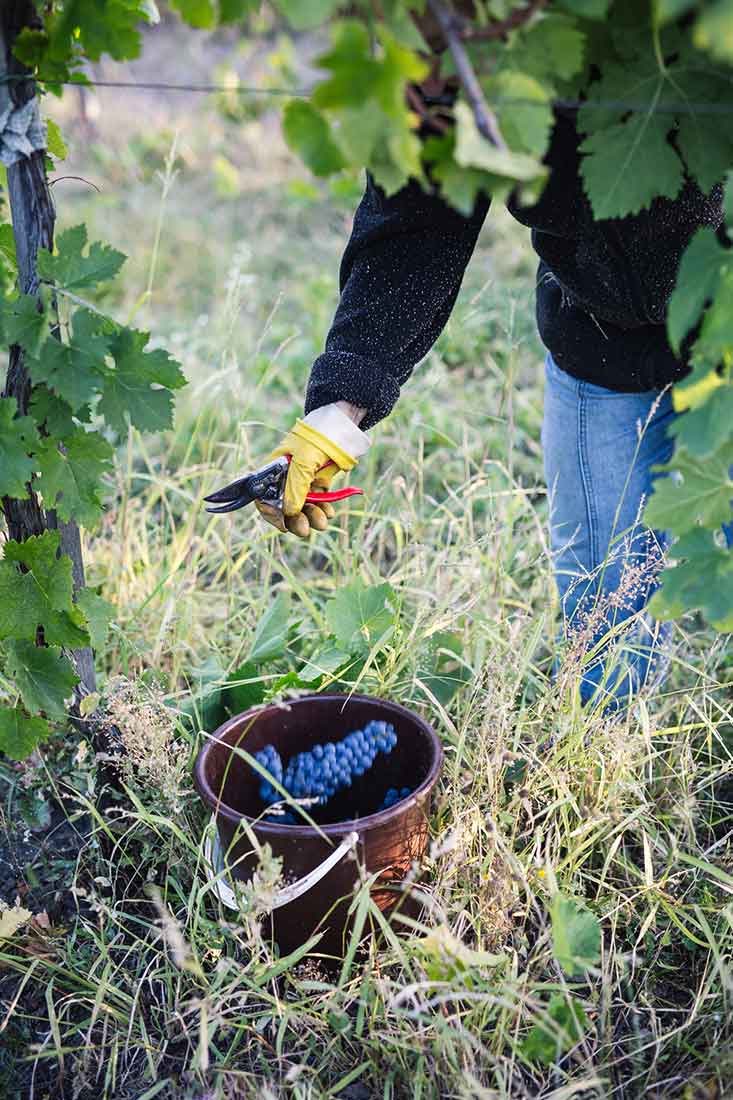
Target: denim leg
(599,447)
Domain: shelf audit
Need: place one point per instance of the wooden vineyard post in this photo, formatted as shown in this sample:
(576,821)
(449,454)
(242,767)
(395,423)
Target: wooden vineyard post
(33,217)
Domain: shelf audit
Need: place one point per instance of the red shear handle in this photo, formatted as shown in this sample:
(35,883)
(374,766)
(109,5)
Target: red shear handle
(331,496)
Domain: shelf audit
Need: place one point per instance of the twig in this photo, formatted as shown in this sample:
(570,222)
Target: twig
(58,179)
(417,103)
(485,119)
(500,30)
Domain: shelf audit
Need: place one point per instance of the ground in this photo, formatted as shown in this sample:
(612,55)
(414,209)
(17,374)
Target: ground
(131,982)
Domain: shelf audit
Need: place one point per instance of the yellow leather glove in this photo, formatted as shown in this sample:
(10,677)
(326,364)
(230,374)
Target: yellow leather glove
(325,435)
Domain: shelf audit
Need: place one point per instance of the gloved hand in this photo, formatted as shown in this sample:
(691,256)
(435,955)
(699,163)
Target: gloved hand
(326,434)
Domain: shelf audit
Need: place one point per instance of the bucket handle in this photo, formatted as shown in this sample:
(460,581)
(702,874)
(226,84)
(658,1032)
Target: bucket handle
(225,893)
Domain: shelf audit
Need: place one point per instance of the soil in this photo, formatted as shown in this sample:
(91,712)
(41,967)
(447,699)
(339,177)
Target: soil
(38,865)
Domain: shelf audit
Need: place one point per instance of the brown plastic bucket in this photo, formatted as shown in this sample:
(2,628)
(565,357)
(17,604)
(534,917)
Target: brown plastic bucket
(386,841)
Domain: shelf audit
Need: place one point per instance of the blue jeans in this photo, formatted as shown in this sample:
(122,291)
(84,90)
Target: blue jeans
(599,447)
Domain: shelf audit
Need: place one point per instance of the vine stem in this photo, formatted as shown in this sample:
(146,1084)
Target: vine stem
(450,27)
(500,30)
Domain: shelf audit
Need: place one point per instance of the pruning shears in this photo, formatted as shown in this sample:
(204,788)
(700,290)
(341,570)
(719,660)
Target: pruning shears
(267,487)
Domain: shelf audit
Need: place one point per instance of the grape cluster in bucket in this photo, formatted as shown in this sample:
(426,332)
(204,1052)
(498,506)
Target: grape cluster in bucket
(326,769)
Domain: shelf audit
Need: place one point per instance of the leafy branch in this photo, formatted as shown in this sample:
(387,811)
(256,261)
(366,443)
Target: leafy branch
(454,31)
(502,27)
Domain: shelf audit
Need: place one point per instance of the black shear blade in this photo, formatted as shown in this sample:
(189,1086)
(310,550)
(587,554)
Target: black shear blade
(265,484)
(235,495)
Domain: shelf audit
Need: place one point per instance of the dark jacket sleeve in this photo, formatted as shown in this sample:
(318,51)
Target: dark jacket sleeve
(399,279)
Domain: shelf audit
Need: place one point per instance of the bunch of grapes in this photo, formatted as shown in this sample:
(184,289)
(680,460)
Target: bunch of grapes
(393,796)
(318,774)
(270,760)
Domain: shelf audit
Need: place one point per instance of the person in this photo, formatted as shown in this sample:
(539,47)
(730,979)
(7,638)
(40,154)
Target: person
(601,299)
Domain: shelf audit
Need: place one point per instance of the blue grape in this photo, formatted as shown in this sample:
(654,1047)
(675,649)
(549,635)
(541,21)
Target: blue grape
(270,760)
(393,796)
(318,774)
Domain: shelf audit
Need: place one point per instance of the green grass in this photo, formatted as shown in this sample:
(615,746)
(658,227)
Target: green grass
(143,987)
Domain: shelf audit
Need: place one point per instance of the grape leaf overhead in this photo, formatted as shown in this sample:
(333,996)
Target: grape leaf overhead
(307,131)
(631,163)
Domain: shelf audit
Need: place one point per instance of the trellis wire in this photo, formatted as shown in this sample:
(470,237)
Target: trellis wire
(303,93)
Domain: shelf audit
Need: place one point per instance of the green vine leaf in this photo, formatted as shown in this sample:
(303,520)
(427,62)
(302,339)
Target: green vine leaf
(716,336)
(18,438)
(98,613)
(115,32)
(707,148)
(459,186)
(527,122)
(707,427)
(626,166)
(308,134)
(138,391)
(24,321)
(354,72)
(304,15)
(697,281)
(71,478)
(7,247)
(231,11)
(52,414)
(55,142)
(397,66)
(474,151)
(43,676)
(365,91)
(19,734)
(75,371)
(197,13)
(714,30)
(70,268)
(604,98)
(697,492)
(588,9)
(702,578)
(552,48)
(40,596)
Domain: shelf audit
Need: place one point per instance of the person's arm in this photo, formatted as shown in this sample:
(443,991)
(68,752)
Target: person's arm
(399,279)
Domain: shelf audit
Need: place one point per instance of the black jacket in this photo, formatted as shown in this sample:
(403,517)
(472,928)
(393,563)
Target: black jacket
(602,287)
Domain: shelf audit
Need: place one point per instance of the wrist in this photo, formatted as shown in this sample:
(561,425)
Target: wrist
(333,422)
(354,412)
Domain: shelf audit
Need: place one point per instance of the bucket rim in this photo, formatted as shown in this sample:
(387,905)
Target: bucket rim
(335,828)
